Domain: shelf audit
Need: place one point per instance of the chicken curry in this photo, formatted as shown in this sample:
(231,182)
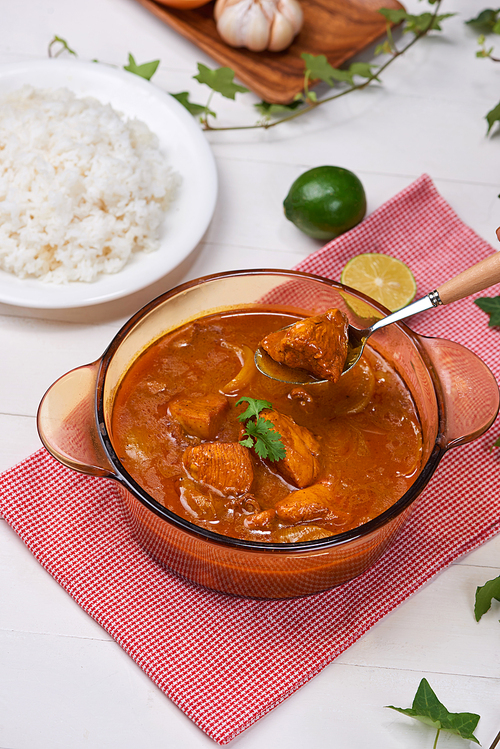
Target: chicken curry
(218,443)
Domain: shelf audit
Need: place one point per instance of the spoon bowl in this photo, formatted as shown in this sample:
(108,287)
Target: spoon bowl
(476,278)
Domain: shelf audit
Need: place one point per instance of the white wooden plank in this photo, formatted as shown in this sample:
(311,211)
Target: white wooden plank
(41,606)
(78,693)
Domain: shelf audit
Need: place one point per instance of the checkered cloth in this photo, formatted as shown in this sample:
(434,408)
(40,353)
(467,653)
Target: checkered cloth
(225,661)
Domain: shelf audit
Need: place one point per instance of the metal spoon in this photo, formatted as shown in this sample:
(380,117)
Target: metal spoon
(476,278)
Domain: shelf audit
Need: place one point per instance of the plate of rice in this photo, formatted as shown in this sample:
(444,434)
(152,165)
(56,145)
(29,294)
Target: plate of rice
(106,183)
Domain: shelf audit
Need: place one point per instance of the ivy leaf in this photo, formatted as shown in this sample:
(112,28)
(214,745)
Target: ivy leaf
(363,69)
(394,16)
(416,24)
(318,68)
(485,21)
(426,22)
(383,49)
(194,109)
(267,441)
(253,409)
(492,117)
(486,593)
(220,80)
(147,70)
(275,110)
(490,304)
(428,709)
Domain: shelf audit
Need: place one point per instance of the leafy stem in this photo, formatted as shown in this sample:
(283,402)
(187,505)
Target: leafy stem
(64,46)
(429,710)
(207,112)
(316,68)
(487,22)
(419,25)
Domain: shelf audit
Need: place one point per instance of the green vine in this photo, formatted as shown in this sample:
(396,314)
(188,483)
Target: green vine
(356,77)
(487,22)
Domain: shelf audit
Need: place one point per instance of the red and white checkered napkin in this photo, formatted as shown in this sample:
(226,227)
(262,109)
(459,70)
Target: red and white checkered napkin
(226,662)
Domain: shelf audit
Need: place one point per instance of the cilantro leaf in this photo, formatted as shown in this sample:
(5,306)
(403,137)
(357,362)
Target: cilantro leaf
(490,304)
(260,433)
(192,108)
(485,595)
(254,408)
(485,21)
(220,80)
(428,709)
(267,442)
(247,442)
(146,70)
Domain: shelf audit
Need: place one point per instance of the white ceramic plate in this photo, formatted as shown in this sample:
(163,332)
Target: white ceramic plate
(180,139)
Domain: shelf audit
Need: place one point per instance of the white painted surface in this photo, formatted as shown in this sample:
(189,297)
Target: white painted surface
(63,682)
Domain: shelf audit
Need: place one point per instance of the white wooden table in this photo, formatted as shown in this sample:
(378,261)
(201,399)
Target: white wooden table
(64,684)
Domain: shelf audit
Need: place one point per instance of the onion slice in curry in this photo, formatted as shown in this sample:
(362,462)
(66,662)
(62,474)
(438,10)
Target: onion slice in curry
(247,371)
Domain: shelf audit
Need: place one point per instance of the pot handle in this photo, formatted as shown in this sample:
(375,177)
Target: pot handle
(67,424)
(470,390)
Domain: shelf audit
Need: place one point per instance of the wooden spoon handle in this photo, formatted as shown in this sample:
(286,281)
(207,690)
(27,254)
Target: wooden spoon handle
(478,277)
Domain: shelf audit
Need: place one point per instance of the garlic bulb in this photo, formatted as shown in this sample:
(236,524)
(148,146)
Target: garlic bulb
(258,24)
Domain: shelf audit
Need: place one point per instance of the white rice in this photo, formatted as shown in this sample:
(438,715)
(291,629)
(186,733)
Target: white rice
(81,188)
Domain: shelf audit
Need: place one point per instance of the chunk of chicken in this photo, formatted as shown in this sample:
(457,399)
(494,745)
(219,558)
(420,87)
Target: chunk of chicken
(317,344)
(194,501)
(313,503)
(223,466)
(260,521)
(293,534)
(200,417)
(300,465)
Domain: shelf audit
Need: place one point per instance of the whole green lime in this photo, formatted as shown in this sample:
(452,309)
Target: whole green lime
(326,201)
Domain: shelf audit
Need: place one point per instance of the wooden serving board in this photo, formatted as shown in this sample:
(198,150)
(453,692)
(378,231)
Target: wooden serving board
(338,29)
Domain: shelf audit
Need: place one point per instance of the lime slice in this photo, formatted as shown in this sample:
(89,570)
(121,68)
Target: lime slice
(381,277)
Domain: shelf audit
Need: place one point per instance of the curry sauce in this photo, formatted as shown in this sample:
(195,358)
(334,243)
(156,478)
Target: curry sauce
(352,448)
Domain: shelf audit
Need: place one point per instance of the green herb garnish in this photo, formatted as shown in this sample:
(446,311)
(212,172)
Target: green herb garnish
(485,595)
(428,709)
(260,434)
